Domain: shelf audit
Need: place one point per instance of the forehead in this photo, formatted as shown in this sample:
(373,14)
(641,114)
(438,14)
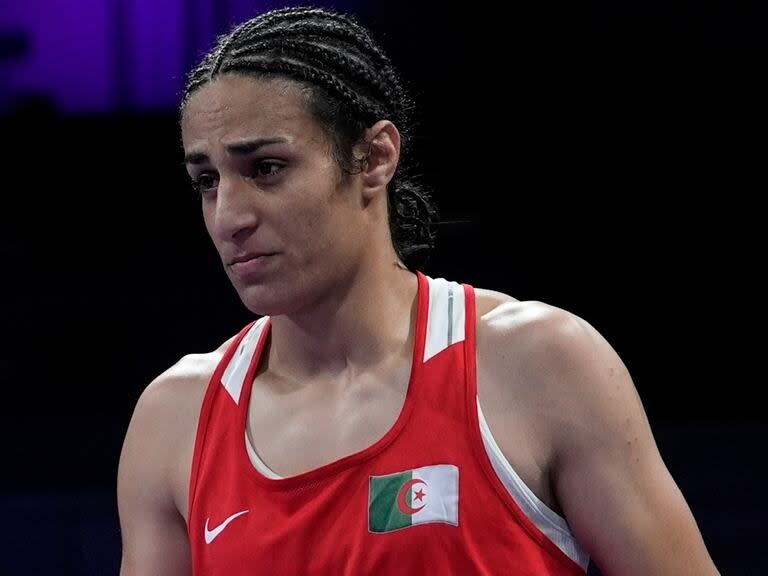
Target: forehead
(233,107)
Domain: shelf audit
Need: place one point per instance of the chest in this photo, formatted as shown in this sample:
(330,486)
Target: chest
(297,430)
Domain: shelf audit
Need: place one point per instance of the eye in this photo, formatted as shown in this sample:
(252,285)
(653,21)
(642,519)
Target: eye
(204,183)
(266,169)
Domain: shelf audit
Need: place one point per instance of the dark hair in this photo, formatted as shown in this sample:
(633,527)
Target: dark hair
(351,84)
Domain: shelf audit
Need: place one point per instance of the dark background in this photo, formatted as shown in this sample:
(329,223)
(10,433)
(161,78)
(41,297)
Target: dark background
(606,159)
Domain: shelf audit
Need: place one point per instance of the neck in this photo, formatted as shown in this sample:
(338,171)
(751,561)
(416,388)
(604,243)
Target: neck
(363,326)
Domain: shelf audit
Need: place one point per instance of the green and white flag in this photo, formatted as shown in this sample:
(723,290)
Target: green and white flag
(429,494)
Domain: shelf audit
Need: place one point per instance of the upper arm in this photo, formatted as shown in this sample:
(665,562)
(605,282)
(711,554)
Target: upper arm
(608,476)
(153,531)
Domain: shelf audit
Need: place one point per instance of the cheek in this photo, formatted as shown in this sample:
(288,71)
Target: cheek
(322,230)
(314,227)
(208,219)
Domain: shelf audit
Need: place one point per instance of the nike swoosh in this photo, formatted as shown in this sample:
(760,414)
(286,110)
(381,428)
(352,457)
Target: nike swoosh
(211,534)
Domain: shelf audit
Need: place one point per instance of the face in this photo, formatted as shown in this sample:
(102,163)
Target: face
(287,226)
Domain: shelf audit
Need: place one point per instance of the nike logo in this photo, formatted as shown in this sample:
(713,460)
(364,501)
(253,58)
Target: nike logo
(210,535)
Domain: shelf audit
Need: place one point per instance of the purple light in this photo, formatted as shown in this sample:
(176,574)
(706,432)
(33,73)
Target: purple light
(99,56)
(67,61)
(156,45)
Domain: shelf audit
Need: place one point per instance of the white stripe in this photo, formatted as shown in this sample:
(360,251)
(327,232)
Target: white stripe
(234,374)
(439,486)
(445,316)
(257,462)
(547,520)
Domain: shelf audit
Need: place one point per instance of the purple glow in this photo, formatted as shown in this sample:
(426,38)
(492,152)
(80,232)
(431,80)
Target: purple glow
(99,56)
(67,60)
(156,46)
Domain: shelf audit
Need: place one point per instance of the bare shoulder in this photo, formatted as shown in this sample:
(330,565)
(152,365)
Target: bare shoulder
(160,438)
(174,397)
(537,355)
(569,412)
(155,463)
(184,383)
(532,335)
(502,316)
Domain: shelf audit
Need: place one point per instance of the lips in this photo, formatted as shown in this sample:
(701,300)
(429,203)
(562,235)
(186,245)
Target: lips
(249,266)
(245,257)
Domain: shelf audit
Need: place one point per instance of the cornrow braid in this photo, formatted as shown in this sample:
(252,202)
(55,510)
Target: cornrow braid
(322,56)
(337,31)
(224,48)
(350,83)
(360,103)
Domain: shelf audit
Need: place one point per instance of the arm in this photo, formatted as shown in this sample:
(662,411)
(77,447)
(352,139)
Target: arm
(153,531)
(617,495)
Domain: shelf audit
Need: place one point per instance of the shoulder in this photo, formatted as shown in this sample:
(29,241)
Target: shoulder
(159,441)
(549,357)
(537,328)
(557,378)
(183,384)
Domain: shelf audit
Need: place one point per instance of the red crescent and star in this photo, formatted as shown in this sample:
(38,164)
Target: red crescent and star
(402,504)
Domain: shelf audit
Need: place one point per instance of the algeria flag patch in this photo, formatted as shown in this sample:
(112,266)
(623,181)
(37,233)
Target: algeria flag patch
(420,496)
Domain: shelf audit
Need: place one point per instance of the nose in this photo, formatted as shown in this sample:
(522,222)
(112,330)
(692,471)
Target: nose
(235,215)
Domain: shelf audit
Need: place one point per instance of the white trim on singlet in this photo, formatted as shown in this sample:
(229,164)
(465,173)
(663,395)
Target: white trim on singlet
(234,375)
(257,462)
(445,316)
(547,520)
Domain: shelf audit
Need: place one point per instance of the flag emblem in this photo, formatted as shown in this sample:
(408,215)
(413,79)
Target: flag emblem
(419,496)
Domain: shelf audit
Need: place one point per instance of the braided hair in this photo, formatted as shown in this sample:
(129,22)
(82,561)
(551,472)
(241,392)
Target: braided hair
(351,84)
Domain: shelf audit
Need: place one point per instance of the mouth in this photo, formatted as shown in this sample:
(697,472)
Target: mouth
(243,258)
(249,266)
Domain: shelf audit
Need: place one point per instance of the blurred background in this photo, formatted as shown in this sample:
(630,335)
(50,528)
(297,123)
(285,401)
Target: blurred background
(607,158)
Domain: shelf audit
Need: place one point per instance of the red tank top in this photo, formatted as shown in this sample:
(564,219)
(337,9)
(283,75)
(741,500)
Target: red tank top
(424,497)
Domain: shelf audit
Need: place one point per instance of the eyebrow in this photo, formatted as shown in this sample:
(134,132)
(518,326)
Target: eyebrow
(239,149)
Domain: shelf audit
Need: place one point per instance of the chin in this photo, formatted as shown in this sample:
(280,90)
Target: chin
(262,304)
(285,294)
(267,301)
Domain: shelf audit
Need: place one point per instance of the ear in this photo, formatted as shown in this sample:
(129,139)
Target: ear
(381,150)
